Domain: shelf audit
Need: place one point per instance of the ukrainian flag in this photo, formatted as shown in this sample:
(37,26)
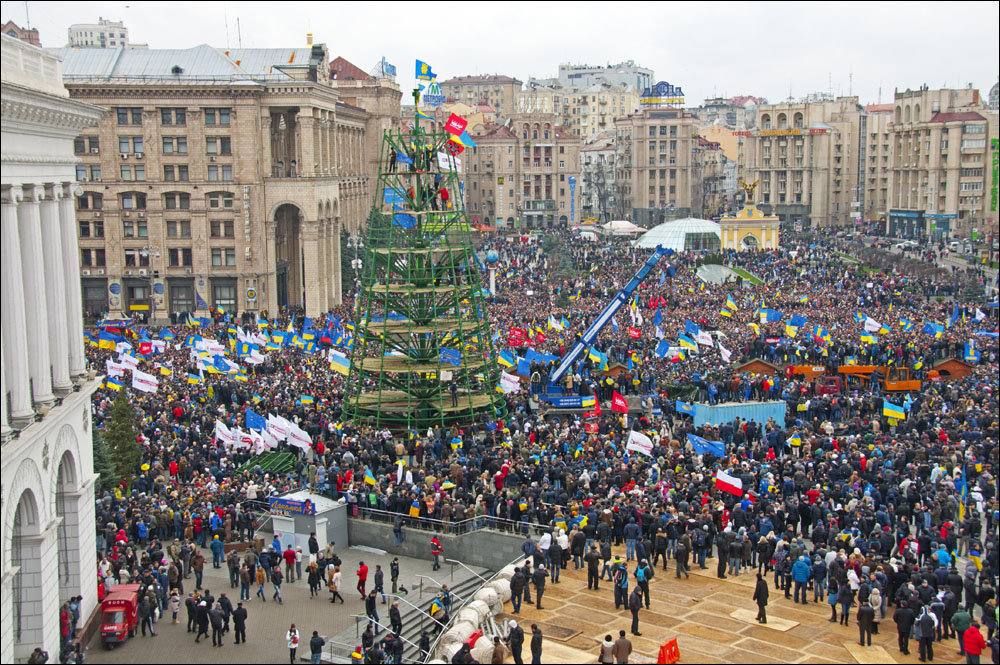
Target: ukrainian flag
(241,375)
(165,371)
(687,343)
(790,330)
(506,358)
(804,299)
(306,399)
(725,312)
(106,341)
(193,378)
(906,325)
(730,303)
(795,440)
(113,384)
(369,477)
(890,410)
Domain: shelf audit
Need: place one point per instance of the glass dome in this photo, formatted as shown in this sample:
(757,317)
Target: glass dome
(683,234)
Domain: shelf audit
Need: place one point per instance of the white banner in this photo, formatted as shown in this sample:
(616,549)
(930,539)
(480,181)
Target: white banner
(122,347)
(509,383)
(299,438)
(128,362)
(640,443)
(147,383)
(278,427)
(115,369)
(223,434)
(704,338)
(871,325)
(726,353)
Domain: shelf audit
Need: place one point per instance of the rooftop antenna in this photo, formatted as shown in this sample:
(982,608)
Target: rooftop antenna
(239,34)
(225,19)
(879,92)
(27,17)
(850,83)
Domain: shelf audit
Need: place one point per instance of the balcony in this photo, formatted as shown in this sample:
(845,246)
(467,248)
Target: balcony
(544,204)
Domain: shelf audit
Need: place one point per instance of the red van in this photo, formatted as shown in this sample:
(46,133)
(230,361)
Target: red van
(119,614)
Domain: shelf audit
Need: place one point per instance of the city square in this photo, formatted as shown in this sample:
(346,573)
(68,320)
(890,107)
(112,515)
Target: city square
(313,359)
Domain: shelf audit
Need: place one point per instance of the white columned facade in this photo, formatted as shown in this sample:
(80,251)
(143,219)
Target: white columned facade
(17,377)
(71,281)
(55,291)
(41,347)
(33,277)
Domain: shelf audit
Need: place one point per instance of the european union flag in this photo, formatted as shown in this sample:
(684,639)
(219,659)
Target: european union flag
(402,157)
(797,321)
(423,71)
(255,420)
(691,328)
(662,348)
(405,221)
(702,446)
(658,319)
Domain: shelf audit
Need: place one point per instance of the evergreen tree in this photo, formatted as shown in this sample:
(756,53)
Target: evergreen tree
(121,439)
(104,465)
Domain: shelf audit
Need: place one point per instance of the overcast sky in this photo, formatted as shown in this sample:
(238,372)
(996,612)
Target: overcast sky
(765,49)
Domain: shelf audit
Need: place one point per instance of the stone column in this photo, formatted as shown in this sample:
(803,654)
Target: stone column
(269,286)
(5,430)
(311,280)
(321,263)
(307,143)
(37,316)
(55,292)
(71,280)
(16,374)
(338,285)
(40,592)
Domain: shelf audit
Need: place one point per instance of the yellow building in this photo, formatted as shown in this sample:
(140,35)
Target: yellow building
(750,228)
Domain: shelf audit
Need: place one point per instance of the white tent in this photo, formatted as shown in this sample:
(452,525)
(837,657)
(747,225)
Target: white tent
(621,227)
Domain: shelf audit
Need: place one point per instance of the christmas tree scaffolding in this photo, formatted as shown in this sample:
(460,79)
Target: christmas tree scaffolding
(423,354)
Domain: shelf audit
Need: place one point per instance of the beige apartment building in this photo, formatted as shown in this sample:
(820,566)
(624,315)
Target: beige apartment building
(658,173)
(942,165)
(586,112)
(524,175)
(807,157)
(219,178)
(598,179)
(877,168)
(500,92)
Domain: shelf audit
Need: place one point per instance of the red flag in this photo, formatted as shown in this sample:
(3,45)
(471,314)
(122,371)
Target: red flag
(145,348)
(634,332)
(540,338)
(618,402)
(454,148)
(591,428)
(455,125)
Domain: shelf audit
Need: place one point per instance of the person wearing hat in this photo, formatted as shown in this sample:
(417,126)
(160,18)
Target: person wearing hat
(538,578)
(515,640)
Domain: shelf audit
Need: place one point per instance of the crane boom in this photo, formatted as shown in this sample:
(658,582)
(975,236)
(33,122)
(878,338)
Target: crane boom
(604,318)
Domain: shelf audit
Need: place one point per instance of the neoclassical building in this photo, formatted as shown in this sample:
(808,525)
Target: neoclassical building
(45,420)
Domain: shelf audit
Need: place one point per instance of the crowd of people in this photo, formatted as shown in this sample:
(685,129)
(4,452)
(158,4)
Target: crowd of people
(862,510)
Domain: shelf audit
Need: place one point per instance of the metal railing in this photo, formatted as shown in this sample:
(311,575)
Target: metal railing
(468,525)
(420,587)
(456,562)
(379,627)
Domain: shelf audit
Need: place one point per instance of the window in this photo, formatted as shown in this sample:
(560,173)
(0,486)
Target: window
(125,114)
(179,257)
(93,257)
(176,201)
(175,145)
(128,228)
(973,143)
(90,201)
(224,296)
(223,257)
(181,297)
(219,173)
(178,228)
(218,145)
(136,172)
(218,200)
(133,200)
(128,144)
(222,228)
(79,145)
(94,173)
(173,116)
(217,117)
(175,173)
(136,257)
(84,229)
(97,228)
(977,128)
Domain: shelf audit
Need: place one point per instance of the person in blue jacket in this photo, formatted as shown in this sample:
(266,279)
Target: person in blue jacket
(801,572)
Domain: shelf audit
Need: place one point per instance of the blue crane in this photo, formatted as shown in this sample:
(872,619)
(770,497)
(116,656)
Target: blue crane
(604,318)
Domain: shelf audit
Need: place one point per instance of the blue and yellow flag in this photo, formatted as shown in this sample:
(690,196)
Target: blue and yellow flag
(423,71)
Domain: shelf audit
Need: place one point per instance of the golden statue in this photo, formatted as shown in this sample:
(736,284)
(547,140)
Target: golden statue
(748,189)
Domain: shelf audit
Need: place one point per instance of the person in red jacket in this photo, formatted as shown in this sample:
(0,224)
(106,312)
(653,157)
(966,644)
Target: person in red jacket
(436,550)
(362,578)
(289,556)
(973,642)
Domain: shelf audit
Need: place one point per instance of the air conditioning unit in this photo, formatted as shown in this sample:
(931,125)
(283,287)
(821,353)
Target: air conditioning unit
(85,273)
(98,179)
(142,272)
(97,215)
(188,271)
(141,215)
(128,273)
(211,158)
(101,271)
(95,151)
(138,155)
(127,213)
(124,155)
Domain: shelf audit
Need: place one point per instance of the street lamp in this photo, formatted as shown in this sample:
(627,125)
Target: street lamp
(150,252)
(358,244)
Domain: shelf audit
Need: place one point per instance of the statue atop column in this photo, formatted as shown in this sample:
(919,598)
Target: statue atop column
(749,189)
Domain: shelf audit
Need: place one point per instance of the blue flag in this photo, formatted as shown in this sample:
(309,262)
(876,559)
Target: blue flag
(663,348)
(797,321)
(691,328)
(702,446)
(403,158)
(423,71)
(452,356)
(255,420)
(684,407)
(658,319)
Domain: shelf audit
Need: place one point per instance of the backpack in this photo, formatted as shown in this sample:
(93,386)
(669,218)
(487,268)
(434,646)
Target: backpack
(621,578)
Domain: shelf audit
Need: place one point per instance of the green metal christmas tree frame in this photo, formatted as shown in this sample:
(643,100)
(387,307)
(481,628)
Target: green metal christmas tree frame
(423,353)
